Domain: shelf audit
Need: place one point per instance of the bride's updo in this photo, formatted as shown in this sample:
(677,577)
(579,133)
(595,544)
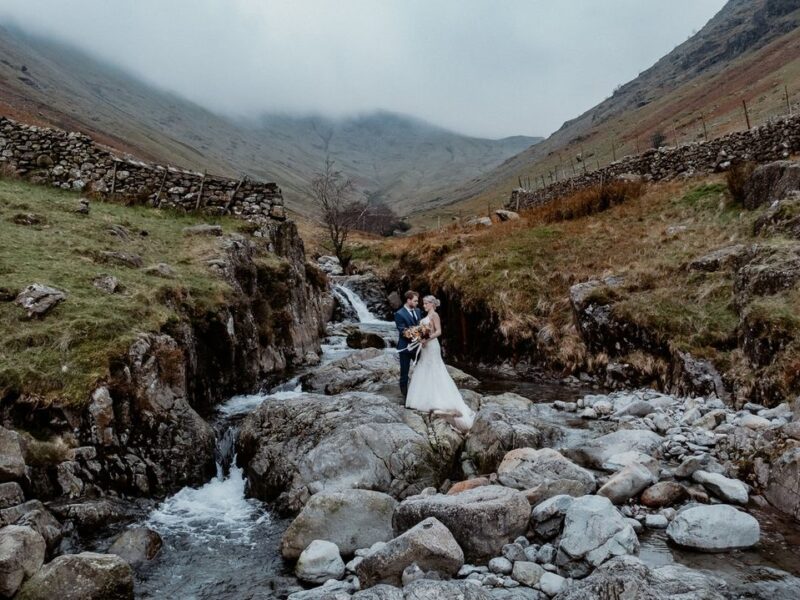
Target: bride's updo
(432,299)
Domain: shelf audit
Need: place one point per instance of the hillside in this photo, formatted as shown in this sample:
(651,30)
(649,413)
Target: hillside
(402,161)
(749,51)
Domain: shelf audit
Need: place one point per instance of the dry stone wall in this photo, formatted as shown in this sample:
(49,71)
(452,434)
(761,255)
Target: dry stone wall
(73,161)
(773,141)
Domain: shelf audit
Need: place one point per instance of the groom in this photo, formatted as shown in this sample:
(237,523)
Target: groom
(407,316)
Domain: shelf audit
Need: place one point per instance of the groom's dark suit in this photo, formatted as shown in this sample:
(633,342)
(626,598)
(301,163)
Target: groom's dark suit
(405,318)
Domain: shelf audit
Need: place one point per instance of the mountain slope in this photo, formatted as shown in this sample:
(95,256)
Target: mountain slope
(749,51)
(396,159)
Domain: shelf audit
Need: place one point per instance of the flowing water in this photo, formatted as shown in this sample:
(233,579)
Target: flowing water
(219,544)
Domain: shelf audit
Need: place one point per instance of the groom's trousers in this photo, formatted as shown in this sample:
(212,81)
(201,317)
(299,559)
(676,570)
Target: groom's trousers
(405,366)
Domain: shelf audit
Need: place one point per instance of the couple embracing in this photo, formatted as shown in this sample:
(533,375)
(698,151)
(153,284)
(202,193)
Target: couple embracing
(431,389)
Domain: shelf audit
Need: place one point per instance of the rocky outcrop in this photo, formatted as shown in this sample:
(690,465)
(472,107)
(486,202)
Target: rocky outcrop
(772,182)
(371,290)
(85,576)
(783,489)
(12,464)
(319,562)
(137,545)
(294,448)
(500,515)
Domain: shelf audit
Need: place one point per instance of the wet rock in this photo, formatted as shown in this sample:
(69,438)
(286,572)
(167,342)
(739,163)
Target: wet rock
(319,562)
(429,544)
(504,423)
(500,515)
(351,519)
(39,299)
(22,553)
(107,283)
(203,229)
(594,531)
(544,473)
(292,449)
(87,576)
(664,493)
(90,515)
(628,577)
(12,464)
(783,490)
(730,490)
(10,494)
(627,483)
(656,522)
(371,290)
(365,370)
(123,259)
(598,451)
(771,182)
(137,545)
(715,528)
(360,340)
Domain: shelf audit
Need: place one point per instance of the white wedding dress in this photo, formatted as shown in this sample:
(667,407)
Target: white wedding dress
(432,388)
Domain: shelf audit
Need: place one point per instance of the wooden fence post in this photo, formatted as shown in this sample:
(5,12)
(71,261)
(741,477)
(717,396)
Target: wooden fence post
(114,179)
(200,193)
(705,131)
(746,114)
(788,104)
(157,199)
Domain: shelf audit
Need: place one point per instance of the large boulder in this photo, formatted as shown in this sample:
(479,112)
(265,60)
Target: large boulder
(137,545)
(428,544)
(599,452)
(504,423)
(771,182)
(84,576)
(45,524)
(364,370)
(351,519)
(22,552)
(626,483)
(12,464)
(664,493)
(783,489)
(594,531)
(361,340)
(319,562)
(294,448)
(482,519)
(628,577)
(544,473)
(715,528)
(11,494)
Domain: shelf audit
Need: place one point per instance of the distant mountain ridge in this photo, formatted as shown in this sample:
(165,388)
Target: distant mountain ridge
(399,160)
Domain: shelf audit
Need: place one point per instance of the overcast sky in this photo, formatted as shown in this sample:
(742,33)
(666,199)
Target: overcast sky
(483,67)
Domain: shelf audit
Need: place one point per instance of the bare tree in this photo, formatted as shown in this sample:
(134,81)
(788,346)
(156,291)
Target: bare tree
(339,212)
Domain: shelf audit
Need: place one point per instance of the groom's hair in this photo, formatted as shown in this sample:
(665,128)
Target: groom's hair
(411,294)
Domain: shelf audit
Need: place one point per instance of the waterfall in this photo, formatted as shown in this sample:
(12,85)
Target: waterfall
(364,315)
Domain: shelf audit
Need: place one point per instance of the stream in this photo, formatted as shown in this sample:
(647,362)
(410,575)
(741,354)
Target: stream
(219,544)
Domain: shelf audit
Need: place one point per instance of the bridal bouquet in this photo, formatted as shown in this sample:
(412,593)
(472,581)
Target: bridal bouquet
(417,333)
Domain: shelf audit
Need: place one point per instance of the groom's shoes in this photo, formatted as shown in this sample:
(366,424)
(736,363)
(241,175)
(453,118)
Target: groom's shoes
(404,392)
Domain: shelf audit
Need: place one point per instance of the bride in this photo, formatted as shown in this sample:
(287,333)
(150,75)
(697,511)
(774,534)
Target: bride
(432,389)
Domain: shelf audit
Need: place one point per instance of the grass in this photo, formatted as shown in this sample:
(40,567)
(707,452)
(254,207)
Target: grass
(62,355)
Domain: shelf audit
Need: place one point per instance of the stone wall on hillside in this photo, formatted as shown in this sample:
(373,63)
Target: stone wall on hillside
(773,141)
(73,161)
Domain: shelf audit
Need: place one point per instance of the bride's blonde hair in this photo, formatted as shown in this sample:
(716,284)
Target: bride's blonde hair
(432,299)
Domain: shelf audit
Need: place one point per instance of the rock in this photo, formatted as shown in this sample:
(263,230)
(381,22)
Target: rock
(637,408)
(656,521)
(664,493)
(45,524)
(730,490)
(552,584)
(84,576)
(351,519)
(773,269)
(627,577)
(28,219)
(425,589)
(39,299)
(783,489)
(695,377)
(506,215)
(771,182)
(595,453)
(12,464)
(203,229)
(618,462)
(123,259)
(527,573)
(364,370)
(627,483)
(711,419)
(369,287)
(294,448)
(729,257)
(429,544)
(544,473)
(502,424)
(107,283)
(330,264)
(330,590)
(716,528)
(161,270)
(548,516)
(519,593)
(478,222)
(22,553)
(500,565)
(500,515)
(469,484)
(10,493)
(137,545)
(91,515)
(319,562)
(753,422)
(704,462)
(781,218)
(595,531)
(364,339)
